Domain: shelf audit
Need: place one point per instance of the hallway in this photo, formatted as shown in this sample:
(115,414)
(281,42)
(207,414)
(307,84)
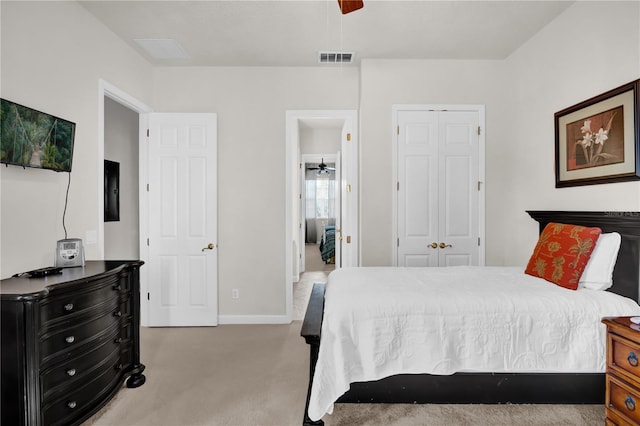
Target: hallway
(317,272)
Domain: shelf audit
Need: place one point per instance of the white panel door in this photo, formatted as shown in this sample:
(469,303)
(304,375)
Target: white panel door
(183,275)
(437,204)
(417,188)
(458,188)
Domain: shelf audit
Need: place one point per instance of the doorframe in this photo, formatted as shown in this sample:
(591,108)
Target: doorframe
(292,158)
(480,109)
(310,158)
(108,90)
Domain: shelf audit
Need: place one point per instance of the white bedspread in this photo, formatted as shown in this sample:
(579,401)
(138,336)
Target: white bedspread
(380,322)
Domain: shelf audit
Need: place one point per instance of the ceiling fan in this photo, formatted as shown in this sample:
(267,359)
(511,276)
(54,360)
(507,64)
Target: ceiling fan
(322,168)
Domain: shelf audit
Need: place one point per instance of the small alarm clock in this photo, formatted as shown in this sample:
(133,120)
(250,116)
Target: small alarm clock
(69,253)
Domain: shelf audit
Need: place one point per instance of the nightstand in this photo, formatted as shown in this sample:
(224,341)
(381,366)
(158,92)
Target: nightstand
(622,400)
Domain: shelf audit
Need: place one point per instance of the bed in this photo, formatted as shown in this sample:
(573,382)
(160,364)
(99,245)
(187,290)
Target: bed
(328,244)
(504,385)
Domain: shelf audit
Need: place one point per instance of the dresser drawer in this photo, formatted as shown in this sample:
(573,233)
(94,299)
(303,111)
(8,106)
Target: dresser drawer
(609,422)
(623,399)
(80,368)
(65,340)
(624,357)
(80,399)
(81,299)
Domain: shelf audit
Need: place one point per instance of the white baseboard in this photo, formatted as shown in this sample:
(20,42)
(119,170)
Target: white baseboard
(253,319)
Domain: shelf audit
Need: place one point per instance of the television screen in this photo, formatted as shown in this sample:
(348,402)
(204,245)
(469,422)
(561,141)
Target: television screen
(31,138)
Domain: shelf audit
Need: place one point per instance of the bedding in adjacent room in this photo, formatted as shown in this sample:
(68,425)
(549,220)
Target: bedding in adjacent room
(384,321)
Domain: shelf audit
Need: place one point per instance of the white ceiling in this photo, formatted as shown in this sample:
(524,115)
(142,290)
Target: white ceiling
(291,33)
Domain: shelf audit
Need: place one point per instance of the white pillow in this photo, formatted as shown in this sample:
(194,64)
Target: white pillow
(598,274)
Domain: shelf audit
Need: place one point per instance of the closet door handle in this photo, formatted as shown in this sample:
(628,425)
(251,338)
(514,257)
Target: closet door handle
(443,245)
(433,245)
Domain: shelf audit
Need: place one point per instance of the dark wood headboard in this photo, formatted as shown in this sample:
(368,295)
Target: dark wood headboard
(626,274)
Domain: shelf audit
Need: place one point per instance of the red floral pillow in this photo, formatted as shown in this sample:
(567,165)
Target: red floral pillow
(562,253)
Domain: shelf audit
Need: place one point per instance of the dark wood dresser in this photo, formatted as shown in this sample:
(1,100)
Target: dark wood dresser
(68,342)
(623,372)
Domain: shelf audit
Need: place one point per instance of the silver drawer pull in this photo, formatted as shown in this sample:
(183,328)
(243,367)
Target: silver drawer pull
(70,339)
(71,404)
(117,314)
(71,372)
(68,307)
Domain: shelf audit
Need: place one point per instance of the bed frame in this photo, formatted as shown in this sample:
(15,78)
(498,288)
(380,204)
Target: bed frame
(495,388)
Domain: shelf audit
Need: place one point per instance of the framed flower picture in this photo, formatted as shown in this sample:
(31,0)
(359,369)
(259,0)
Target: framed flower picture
(598,140)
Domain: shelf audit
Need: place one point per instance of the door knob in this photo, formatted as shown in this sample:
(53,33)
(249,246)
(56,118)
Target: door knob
(443,245)
(433,245)
(209,247)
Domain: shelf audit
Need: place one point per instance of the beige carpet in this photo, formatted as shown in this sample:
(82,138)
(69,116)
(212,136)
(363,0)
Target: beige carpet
(257,375)
(316,272)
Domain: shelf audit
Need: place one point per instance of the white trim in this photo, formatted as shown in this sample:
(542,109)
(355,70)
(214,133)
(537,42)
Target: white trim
(106,89)
(480,109)
(253,319)
(291,127)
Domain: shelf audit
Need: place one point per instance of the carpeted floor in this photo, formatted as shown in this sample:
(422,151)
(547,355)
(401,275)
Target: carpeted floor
(316,272)
(244,375)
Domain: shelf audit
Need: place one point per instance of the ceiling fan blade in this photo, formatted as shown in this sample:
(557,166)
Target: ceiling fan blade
(348,6)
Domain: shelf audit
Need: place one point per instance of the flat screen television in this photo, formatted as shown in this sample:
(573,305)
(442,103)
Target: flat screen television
(31,138)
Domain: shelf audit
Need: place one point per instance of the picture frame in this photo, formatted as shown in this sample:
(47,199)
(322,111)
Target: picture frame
(598,140)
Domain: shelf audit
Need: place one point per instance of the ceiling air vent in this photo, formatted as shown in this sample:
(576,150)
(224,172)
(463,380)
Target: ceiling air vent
(162,48)
(335,57)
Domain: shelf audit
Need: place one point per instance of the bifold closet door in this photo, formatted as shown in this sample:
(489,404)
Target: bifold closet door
(437,188)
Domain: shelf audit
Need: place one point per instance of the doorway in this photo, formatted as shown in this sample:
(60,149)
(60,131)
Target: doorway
(439,197)
(121,223)
(110,93)
(315,137)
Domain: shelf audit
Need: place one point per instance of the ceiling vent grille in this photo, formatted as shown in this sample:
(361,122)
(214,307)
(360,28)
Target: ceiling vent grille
(162,48)
(335,57)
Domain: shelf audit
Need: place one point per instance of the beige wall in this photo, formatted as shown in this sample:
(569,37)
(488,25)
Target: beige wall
(122,238)
(385,83)
(251,104)
(560,66)
(320,141)
(563,65)
(53,55)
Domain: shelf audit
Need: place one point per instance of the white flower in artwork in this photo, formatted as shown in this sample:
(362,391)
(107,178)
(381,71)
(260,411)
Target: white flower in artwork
(601,136)
(592,143)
